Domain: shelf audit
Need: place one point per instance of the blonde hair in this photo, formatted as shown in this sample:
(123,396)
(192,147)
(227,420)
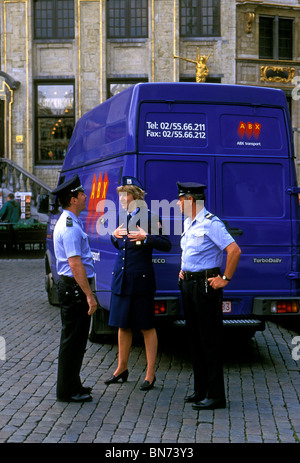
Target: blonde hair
(134,190)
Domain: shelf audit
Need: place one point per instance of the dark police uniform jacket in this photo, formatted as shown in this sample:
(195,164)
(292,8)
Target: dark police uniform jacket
(133,272)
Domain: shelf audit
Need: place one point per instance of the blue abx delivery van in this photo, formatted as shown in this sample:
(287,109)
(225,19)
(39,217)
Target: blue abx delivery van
(237,140)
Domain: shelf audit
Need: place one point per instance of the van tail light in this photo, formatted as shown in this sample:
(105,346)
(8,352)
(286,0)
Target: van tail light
(285,306)
(160,307)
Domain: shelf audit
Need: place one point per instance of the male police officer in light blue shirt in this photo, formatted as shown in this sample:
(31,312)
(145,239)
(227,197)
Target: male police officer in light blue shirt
(75,268)
(203,241)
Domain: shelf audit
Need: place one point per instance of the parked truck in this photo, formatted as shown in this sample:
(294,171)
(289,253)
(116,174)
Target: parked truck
(238,141)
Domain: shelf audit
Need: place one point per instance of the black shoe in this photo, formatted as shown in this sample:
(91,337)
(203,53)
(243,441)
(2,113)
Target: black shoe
(195,397)
(77,398)
(209,404)
(85,390)
(114,379)
(146,386)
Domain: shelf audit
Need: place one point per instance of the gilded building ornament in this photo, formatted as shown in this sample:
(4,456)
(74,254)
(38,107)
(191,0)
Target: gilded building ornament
(201,68)
(250,19)
(276,74)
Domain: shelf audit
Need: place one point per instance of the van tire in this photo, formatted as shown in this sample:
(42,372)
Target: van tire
(51,289)
(239,334)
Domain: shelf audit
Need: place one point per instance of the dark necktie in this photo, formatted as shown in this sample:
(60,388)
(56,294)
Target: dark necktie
(128,218)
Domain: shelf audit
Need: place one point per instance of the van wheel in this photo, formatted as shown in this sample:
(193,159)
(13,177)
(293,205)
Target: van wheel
(239,335)
(51,289)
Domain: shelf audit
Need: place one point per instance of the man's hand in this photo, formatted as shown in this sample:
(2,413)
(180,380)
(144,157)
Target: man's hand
(92,303)
(217,282)
(233,256)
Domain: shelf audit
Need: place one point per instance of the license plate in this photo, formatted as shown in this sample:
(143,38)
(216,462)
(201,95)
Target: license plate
(226,307)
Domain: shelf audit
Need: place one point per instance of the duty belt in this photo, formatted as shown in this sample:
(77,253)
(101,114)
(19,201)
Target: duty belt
(211,272)
(72,279)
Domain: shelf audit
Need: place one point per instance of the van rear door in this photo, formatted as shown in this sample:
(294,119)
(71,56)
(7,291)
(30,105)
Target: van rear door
(252,179)
(160,174)
(241,152)
(252,199)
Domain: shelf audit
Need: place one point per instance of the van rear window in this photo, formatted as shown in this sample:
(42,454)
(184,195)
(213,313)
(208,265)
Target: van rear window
(176,128)
(195,128)
(246,193)
(250,132)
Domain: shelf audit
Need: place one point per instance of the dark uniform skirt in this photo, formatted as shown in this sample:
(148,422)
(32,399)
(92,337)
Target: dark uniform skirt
(135,311)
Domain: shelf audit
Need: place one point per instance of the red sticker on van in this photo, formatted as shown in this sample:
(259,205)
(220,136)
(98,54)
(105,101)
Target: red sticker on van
(249,129)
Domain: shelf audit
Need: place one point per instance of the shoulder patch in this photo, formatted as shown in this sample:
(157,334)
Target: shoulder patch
(209,216)
(69,222)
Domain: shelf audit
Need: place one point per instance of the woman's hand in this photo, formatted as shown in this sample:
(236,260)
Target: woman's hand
(139,235)
(120,231)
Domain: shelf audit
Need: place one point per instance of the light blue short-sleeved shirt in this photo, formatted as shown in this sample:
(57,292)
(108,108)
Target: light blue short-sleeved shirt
(71,240)
(203,242)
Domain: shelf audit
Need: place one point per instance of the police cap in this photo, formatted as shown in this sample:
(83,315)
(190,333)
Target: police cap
(190,188)
(127,180)
(71,185)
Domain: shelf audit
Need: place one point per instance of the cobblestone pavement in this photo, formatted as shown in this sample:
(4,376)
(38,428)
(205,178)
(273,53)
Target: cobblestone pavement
(262,380)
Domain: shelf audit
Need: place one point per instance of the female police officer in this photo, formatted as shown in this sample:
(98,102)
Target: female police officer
(133,283)
(202,243)
(75,268)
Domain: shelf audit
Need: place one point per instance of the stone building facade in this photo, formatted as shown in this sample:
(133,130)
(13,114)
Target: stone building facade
(91,63)
(273,62)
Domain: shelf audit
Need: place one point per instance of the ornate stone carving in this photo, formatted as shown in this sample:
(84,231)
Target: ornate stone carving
(276,74)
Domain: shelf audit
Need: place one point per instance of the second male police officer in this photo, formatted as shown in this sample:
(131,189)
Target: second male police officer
(75,268)
(203,241)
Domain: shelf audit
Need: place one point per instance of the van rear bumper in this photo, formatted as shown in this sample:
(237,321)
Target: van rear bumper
(256,323)
(253,323)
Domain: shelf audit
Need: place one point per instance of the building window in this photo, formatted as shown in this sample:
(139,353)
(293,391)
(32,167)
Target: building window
(127,19)
(199,18)
(115,86)
(53,19)
(210,80)
(275,38)
(54,121)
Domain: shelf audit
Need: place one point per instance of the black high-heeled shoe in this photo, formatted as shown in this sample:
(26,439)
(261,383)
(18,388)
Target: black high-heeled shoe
(146,386)
(114,379)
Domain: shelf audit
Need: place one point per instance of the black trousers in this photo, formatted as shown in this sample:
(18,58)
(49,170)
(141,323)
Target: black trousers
(203,312)
(74,334)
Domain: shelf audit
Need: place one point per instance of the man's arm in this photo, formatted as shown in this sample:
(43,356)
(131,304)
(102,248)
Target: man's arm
(79,274)
(233,257)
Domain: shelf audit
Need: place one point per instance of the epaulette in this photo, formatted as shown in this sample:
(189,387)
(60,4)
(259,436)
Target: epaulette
(209,216)
(69,221)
